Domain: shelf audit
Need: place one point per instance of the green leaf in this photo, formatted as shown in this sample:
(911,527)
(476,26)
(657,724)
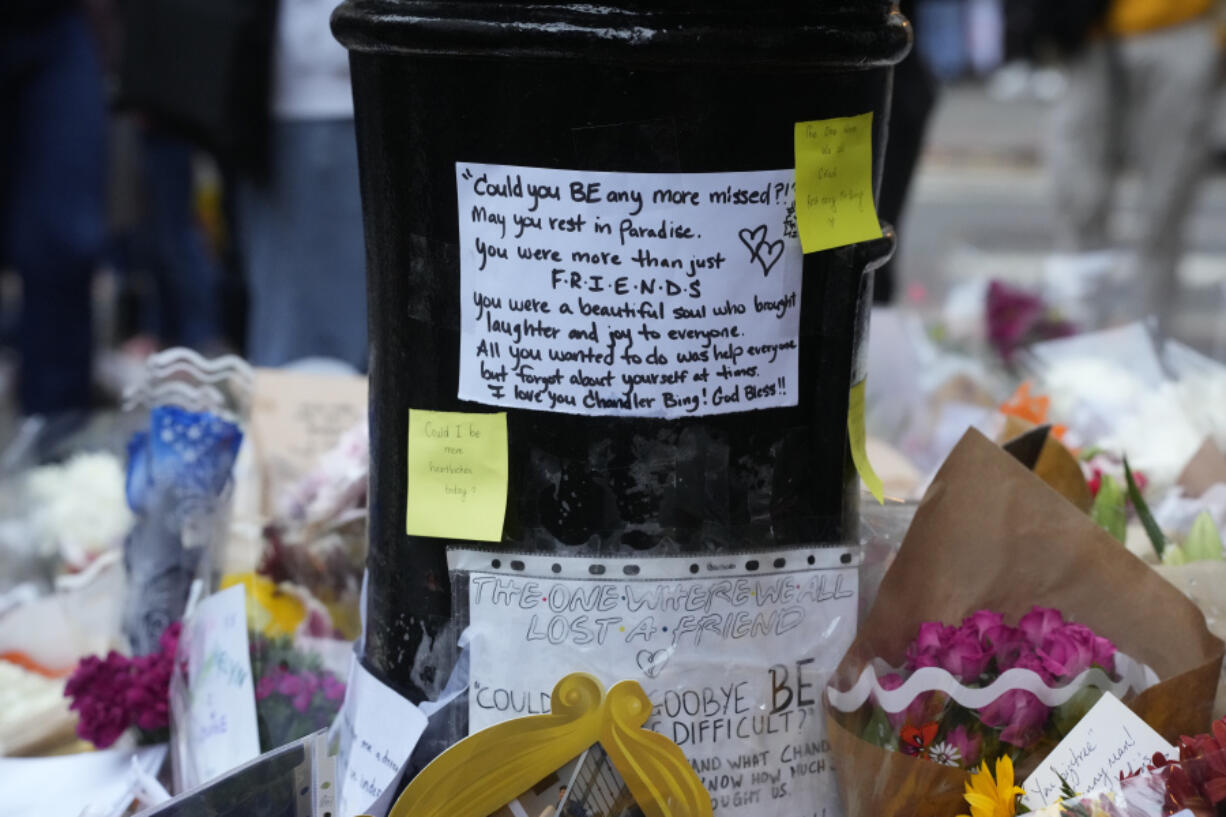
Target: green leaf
(1203,544)
(879,732)
(1110,509)
(1068,714)
(1174,555)
(1066,791)
(1147,519)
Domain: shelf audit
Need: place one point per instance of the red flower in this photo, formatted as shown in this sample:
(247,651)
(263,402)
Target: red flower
(914,739)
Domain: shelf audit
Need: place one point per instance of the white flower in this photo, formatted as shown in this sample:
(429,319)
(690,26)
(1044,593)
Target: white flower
(78,508)
(945,753)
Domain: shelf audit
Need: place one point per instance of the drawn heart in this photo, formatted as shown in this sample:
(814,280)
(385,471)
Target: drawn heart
(769,254)
(652,662)
(752,239)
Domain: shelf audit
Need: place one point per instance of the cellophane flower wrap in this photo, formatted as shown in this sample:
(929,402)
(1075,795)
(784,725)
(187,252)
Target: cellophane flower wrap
(986,688)
(990,535)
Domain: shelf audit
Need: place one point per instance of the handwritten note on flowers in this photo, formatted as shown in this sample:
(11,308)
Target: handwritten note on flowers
(457,475)
(834,182)
(633,294)
(1110,739)
(217,718)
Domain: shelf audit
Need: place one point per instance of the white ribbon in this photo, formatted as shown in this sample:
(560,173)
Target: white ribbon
(1134,676)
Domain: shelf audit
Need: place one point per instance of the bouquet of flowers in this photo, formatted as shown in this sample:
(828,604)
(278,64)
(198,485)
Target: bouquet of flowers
(116,693)
(986,688)
(295,694)
(990,535)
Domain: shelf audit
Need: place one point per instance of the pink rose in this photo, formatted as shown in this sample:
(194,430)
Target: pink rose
(1102,651)
(968,745)
(964,657)
(986,626)
(1067,654)
(933,635)
(1039,623)
(930,642)
(1031,660)
(1019,714)
(1009,645)
(890,681)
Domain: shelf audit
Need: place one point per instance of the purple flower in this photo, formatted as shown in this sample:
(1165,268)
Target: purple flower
(1031,660)
(334,690)
(929,645)
(101,723)
(169,640)
(964,657)
(302,701)
(968,745)
(290,684)
(986,625)
(1015,317)
(1019,714)
(933,635)
(1039,623)
(1102,651)
(891,681)
(1065,655)
(1009,646)
(266,686)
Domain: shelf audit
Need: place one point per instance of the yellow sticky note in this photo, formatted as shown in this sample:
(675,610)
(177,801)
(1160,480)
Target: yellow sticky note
(457,475)
(859,442)
(834,182)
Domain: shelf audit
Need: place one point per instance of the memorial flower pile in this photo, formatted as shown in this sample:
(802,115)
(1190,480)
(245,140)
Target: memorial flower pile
(1054,651)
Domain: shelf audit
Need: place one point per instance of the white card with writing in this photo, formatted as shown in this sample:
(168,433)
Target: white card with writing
(1110,739)
(378,730)
(221,731)
(631,294)
(733,651)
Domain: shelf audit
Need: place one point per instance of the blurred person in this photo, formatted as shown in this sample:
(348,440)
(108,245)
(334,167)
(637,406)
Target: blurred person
(185,274)
(914,97)
(300,230)
(52,193)
(941,36)
(1142,86)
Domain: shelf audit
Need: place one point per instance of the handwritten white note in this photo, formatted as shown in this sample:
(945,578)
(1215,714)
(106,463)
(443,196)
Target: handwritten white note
(1110,739)
(377,731)
(217,719)
(634,294)
(733,652)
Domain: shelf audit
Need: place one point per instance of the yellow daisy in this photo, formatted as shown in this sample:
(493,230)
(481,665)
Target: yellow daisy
(993,798)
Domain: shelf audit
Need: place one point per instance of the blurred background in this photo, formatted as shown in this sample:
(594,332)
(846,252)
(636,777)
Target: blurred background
(179,173)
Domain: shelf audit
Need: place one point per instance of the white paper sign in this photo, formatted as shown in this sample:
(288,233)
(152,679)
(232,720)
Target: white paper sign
(733,651)
(1110,739)
(635,294)
(217,720)
(378,730)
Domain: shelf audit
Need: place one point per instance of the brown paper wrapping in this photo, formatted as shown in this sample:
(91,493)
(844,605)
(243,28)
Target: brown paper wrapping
(990,534)
(1206,469)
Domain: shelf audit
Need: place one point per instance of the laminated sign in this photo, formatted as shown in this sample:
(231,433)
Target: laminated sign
(733,652)
(631,294)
